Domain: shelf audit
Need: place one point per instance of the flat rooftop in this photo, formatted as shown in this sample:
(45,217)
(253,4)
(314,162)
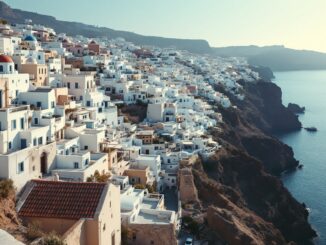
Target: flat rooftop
(150,203)
(153,218)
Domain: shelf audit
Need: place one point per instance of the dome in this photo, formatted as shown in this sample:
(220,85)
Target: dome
(5,59)
(30,38)
(93,42)
(31,60)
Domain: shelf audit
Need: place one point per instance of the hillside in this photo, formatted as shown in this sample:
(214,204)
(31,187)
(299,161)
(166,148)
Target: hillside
(278,58)
(75,28)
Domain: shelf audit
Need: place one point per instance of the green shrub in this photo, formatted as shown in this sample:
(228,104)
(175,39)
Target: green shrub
(191,224)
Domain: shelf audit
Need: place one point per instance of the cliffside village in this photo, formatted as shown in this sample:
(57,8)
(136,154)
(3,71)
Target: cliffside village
(94,132)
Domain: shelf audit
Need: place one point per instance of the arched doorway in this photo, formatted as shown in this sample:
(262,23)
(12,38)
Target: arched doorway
(44,163)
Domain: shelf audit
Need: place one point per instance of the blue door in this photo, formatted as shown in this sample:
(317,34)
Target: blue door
(23,143)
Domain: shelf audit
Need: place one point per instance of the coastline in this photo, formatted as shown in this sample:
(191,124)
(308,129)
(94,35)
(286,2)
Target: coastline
(306,88)
(246,174)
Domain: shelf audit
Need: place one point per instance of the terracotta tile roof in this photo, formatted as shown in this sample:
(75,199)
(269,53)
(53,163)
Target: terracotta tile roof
(57,199)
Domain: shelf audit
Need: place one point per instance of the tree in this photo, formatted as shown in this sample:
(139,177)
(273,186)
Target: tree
(191,224)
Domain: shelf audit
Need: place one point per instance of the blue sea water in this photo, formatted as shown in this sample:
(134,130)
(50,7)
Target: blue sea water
(308,88)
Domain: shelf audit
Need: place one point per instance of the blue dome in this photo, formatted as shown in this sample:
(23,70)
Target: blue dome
(30,38)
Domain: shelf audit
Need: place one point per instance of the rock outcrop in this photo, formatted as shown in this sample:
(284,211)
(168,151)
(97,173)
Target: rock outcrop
(295,108)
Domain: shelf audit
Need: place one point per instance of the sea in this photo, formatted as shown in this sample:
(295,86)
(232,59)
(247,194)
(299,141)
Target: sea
(308,185)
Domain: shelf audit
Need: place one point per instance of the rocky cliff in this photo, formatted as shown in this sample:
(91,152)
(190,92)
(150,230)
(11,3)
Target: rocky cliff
(251,124)
(243,200)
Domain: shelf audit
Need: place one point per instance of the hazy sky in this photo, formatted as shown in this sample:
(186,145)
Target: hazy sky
(297,24)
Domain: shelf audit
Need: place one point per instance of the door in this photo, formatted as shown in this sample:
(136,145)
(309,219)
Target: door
(44,163)
(23,143)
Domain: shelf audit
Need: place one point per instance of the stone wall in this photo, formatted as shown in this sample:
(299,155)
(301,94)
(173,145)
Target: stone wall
(188,191)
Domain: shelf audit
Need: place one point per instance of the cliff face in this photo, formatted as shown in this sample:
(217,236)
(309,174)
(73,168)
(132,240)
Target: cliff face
(249,127)
(243,200)
(261,193)
(245,205)
(227,214)
(263,108)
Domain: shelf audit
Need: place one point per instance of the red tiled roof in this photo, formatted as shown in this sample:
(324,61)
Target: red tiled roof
(57,199)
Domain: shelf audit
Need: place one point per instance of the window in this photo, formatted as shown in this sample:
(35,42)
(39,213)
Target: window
(76,85)
(40,141)
(20,167)
(39,57)
(86,147)
(52,104)
(39,104)
(34,141)
(1,68)
(13,124)
(86,162)
(22,123)
(68,85)
(76,165)
(10,145)
(35,120)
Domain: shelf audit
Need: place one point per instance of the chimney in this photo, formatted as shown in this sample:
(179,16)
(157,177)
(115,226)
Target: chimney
(56,177)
